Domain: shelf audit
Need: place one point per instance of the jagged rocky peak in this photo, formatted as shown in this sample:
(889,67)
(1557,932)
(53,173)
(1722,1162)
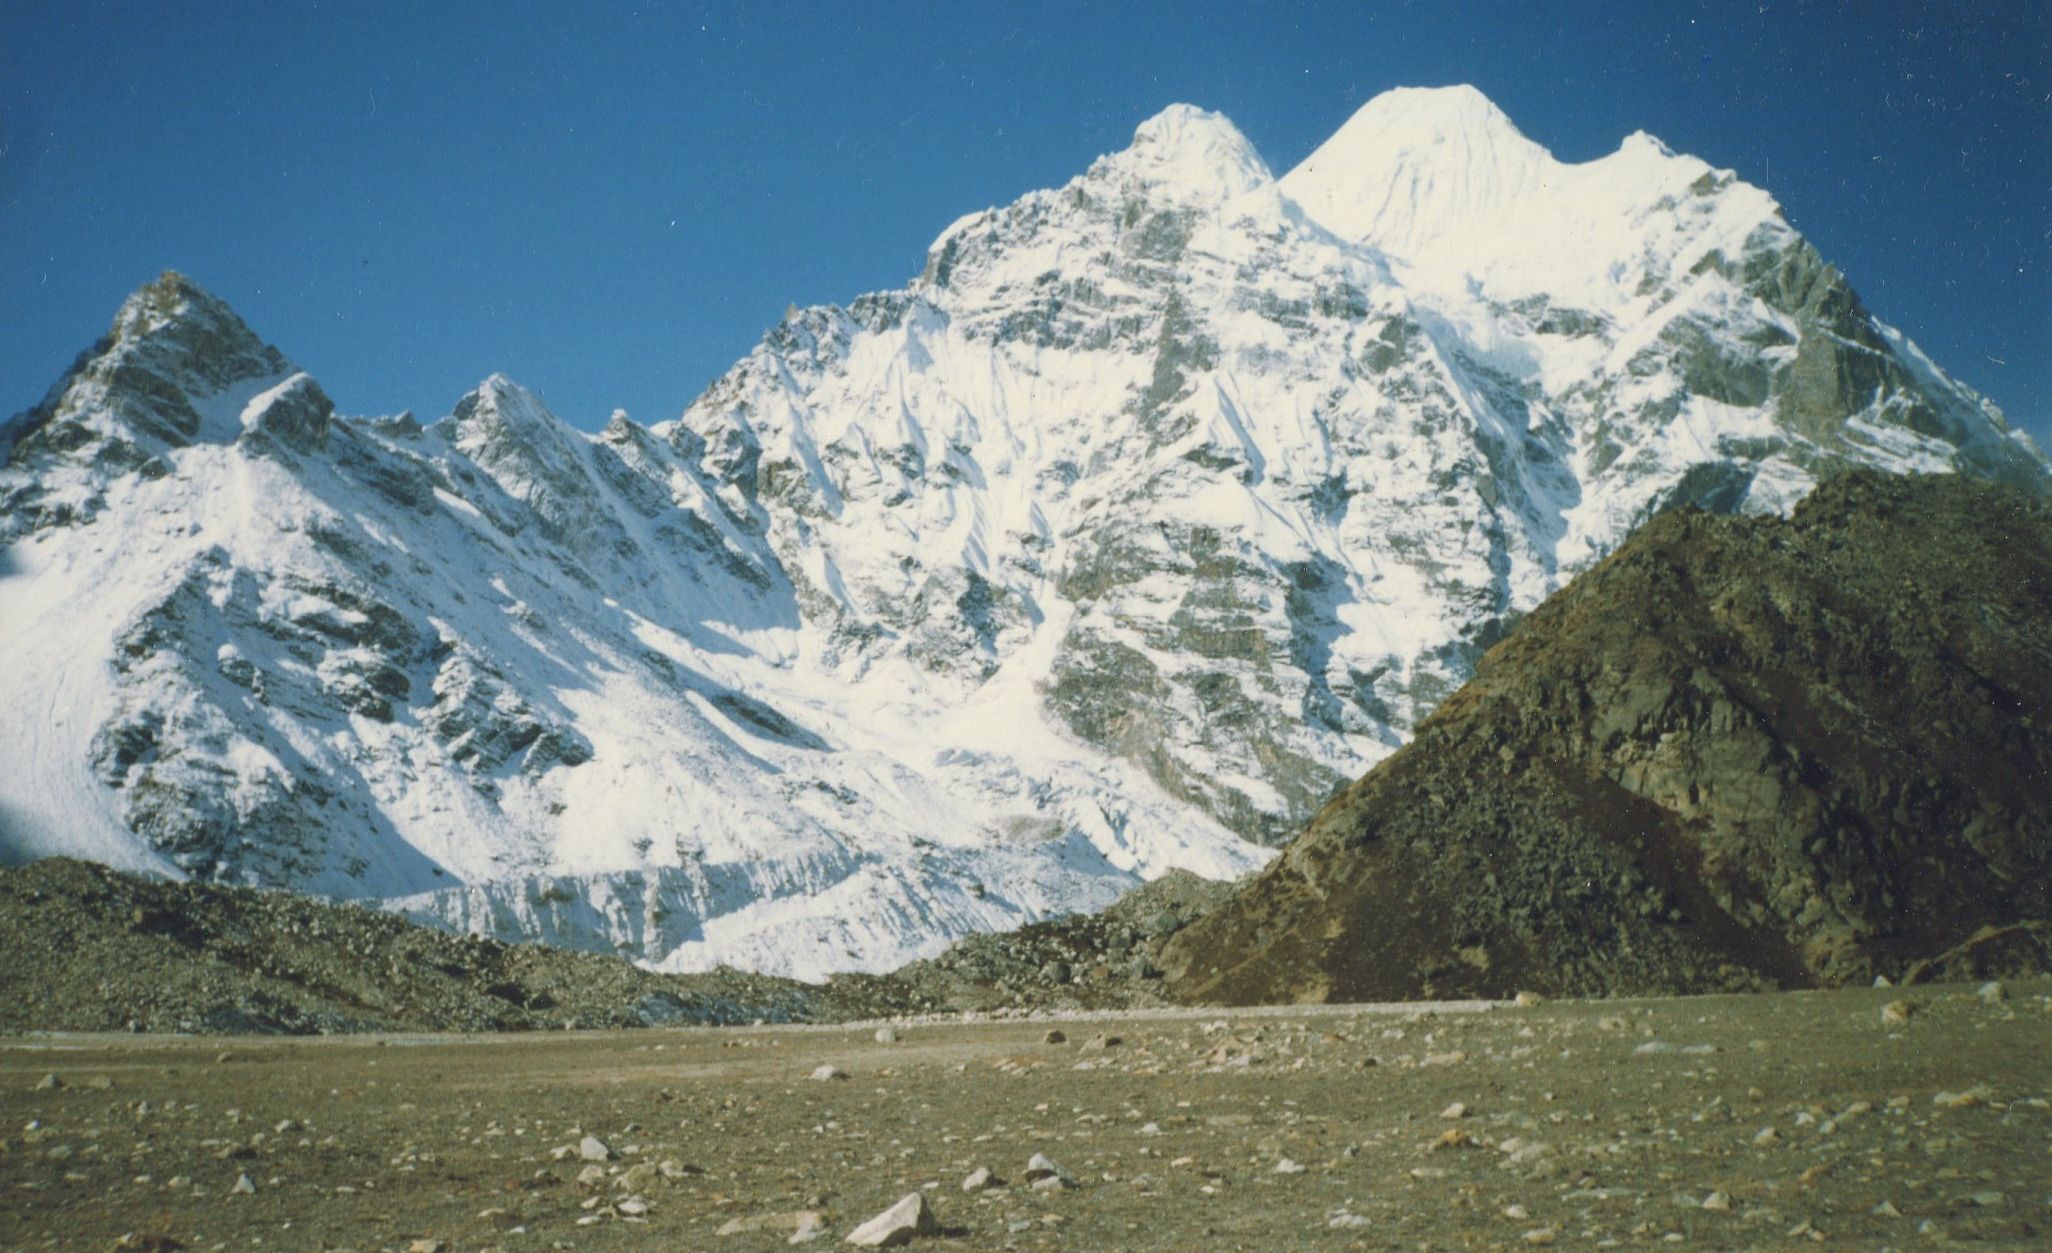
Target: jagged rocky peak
(294,415)
(1193,152)
(172,346)
(189,338)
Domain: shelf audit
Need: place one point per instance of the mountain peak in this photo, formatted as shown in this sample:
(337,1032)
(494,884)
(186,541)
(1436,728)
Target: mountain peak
(173,299)
(1196,150)
(1413,161)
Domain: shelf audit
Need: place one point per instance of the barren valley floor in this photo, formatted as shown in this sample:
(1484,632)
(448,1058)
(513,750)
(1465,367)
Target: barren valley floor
(1718,1122)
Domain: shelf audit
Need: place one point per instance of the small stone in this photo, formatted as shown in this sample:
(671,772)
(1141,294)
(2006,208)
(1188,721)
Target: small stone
(1288,1167)
(793,1221)
(1719,1201)
(1896,1013)
(1454,1138)
(980,1179)
(1515,1211)
(1525,1000)
(243,1187)
(886,1035)
(828,1073)
(1344,1221)
(1989,1199)
(1962,1100)
(809,1231)
(222,1059)
(1992,992)
(1887,1210)
(1045,1174)
(633,1206)
(1883,981)
(49,1083)
(1101,1042)
(1455,1110)
(1541,1235)
(1054,1036)
(902,1223)
(1766,1136)
(592,1175)
(427,1246)
(593,1149)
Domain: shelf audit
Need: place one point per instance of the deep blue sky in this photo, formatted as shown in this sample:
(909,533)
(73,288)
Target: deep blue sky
(611,202)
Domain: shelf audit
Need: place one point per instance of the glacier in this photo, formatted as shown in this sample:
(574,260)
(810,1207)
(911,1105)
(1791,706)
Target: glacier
(1156,507)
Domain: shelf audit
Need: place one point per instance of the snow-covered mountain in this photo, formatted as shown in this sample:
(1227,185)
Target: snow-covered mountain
(1159,505)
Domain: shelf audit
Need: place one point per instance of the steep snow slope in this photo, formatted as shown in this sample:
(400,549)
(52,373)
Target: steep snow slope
(1158,506)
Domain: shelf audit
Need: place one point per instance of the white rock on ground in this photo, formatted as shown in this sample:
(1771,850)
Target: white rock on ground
(902,1223)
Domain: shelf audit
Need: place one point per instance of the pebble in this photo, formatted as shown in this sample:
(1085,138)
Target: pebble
(427,1246)
(793,1221)
(980,1179)
(902,1223)
(827,1073)
(1455,1110)
(1887,1210)
(1288,1167)
(1719,1201)
(49,1083)
(1525,1000)
(1992,992)
(1896,1013)
(1048,1175)
(1989,1199)
(1767,1136)
(1101,1042)
(1054,1036)
(243,1187)
(593,1149)
(886,1035)
(1961,1100)
(1344,1221)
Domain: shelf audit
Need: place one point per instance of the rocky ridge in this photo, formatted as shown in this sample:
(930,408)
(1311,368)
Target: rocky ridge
(1738,753)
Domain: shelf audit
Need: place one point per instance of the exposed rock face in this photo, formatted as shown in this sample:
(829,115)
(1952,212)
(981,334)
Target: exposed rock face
(1738,752)
(1157,507)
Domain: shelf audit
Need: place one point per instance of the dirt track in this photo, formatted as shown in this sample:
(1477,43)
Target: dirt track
(1585,1123)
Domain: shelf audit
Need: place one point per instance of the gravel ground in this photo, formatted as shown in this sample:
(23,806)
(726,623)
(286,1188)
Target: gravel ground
(1866,1118)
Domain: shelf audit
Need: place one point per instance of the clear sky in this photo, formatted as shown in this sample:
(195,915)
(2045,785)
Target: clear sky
(611,202)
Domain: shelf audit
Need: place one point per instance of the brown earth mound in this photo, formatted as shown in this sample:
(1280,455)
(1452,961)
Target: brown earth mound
(1738,753)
